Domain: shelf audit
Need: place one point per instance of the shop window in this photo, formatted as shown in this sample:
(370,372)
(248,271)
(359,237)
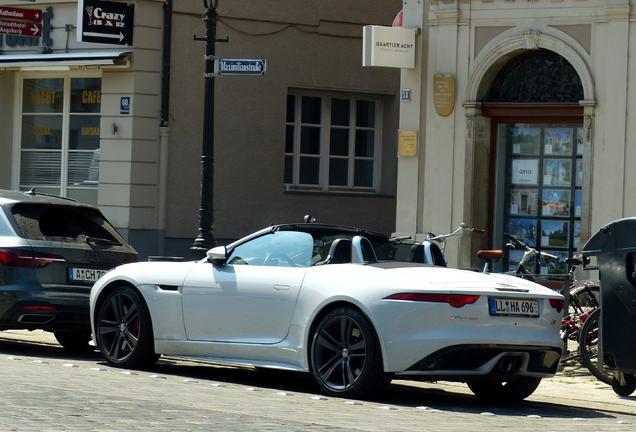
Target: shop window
(539,189)
(60,136)
(332,142)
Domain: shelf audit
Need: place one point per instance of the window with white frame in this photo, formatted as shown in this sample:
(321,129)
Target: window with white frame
(332,141)
(60,136)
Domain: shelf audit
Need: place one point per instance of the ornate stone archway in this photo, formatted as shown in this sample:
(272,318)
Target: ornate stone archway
(478,134)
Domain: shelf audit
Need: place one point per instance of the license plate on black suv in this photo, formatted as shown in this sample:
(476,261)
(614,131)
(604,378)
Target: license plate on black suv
(84,275)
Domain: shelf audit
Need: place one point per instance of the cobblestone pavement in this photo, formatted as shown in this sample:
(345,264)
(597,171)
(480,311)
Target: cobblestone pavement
(43,388)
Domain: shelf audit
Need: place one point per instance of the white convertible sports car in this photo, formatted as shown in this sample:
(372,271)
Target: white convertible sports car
(316,298)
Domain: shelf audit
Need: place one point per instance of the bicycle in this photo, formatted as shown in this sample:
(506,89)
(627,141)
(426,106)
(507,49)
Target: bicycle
(431,250)
(581,324)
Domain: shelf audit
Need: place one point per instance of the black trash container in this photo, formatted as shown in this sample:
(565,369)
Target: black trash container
(613,248)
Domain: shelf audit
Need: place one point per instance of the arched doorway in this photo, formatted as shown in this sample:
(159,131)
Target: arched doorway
(537,151)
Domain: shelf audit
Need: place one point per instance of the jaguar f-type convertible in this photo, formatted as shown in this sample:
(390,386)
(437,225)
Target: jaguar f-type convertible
(349,306)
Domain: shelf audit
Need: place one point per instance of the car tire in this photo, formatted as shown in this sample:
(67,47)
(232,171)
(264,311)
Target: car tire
(346,359)
(124,329)
(74,341)
(513,391)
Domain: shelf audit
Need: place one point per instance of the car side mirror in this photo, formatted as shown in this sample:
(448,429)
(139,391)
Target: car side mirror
(217,255)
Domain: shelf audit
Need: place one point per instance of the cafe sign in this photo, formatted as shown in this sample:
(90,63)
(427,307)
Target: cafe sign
(444,94)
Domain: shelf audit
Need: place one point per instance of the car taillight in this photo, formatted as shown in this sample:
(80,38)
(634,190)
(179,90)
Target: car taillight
(455,300)
(557,304)
(25,258)
(38,307)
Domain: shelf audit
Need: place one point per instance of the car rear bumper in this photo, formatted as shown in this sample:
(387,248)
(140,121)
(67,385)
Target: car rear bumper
(45,311)
(501,362)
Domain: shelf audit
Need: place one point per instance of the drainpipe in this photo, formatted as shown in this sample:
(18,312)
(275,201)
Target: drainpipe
(164,129)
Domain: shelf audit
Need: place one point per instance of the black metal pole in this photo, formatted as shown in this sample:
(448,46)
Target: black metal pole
(205,240)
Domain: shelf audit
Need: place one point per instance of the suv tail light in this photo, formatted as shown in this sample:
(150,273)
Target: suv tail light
(26,258)
(455,300)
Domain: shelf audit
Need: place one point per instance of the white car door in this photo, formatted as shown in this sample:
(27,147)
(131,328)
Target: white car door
(250,299)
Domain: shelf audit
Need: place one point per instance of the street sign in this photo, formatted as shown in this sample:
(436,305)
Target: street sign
(124,105)
(21,14)
(106,22)
(19,28)
(240,67)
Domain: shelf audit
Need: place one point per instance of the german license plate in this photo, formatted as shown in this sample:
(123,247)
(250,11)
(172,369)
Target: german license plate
(514,307)
(84,275)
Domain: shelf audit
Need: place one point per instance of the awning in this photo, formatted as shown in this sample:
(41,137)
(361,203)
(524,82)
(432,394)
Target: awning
(65,61)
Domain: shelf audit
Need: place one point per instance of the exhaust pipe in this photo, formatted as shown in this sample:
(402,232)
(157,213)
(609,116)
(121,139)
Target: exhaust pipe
(510,364)
(505,364)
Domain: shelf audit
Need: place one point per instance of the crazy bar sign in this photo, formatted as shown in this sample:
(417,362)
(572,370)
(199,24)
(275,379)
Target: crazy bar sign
(105,22)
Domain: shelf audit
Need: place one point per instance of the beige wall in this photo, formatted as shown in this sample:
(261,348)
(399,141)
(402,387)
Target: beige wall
(471,40)
(316,46)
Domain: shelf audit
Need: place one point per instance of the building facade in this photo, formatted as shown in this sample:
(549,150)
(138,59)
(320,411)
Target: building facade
(120,126)
(538,142)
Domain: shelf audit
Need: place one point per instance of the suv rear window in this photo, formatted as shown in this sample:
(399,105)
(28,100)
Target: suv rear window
(59,223)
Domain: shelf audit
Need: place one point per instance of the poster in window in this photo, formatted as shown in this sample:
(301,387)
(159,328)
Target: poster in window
(578,202)
(556,202)
(557,172)
(525,172)
(579,141)
(514,258)
(558,141)
(526,141)
(523,202)
(577,233)
(524,229)
(552,267)
(555,234)
(579,172)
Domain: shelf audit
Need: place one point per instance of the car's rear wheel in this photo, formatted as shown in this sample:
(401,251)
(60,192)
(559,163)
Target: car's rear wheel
(74,341)
(345,355)
(513,391)
(124,329)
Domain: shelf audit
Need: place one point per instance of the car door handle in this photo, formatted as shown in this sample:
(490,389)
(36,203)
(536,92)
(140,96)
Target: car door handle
(281,287)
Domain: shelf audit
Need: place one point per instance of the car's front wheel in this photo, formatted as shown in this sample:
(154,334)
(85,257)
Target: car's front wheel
(511,391)
(124,329)
(345,355)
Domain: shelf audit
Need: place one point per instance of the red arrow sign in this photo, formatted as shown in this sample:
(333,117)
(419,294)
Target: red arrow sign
(18,28)
(20,14)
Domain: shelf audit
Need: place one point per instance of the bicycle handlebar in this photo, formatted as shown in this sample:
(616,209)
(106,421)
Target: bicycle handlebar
(462,227)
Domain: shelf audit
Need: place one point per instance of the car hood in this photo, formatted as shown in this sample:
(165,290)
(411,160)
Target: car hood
(457,280)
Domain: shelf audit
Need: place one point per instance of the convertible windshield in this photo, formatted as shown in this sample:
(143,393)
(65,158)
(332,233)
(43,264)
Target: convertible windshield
(316,246)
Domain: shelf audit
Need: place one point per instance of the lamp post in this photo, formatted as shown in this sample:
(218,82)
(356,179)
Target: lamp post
(205,240)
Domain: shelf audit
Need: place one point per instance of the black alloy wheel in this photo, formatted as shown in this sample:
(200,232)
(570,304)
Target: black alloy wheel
(124,329)
(345,355)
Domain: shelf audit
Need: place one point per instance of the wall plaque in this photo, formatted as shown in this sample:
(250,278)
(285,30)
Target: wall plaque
(407,143)
(444,94)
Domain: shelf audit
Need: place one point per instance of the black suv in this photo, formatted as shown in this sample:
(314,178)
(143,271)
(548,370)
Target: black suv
(52,250)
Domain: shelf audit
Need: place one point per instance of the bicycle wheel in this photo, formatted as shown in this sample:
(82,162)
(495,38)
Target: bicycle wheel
(588,344)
